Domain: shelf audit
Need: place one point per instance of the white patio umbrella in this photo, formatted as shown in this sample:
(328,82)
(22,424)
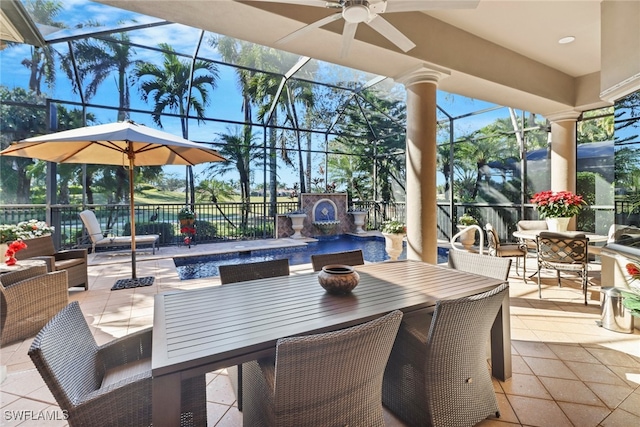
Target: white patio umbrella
(124,144)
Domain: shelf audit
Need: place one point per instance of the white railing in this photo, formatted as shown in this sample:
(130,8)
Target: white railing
(461,232)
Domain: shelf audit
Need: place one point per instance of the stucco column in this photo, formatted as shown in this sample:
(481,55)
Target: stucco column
(564,152)
(422,232)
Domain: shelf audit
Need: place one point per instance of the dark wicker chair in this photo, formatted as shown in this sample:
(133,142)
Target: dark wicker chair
(509,250)
(437,374)
(29,299)
(494,267)
(74,261)
(233,273)
(330,379)
(563,252)
(354,257)
(108,385)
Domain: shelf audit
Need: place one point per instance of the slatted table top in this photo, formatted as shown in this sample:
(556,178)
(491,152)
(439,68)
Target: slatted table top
(223,325)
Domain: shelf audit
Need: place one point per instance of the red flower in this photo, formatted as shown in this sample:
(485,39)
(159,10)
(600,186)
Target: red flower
(11,261)
(14,247)
(633,270)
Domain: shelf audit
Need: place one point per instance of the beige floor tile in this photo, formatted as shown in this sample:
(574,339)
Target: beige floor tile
(221,391)
(611,395)
(549,368)
(519,366)
(533,349)
(591,372)
(584,415)
(571,391)
(572,352)
(525,385)
(538,412)
(621,418)
(632,403)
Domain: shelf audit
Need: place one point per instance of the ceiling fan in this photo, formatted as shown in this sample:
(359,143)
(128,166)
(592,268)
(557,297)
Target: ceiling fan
(369,12)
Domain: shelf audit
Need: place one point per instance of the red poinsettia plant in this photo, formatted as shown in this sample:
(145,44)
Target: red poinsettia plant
(631,298)
(12,249)
(557,204)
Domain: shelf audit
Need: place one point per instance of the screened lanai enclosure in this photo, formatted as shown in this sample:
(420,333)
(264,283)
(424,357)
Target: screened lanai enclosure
(287,124)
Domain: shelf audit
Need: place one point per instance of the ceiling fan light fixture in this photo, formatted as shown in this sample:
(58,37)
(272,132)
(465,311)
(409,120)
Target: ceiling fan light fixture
(356,11)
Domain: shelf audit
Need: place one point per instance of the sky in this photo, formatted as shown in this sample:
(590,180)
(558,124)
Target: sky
(225,103)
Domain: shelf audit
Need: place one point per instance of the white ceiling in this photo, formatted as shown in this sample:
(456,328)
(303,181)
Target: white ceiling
(503,51)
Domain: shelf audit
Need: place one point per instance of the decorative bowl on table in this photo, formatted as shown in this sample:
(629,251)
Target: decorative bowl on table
(338,278)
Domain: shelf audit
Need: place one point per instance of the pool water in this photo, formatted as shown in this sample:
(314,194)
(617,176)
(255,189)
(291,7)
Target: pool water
(207,265)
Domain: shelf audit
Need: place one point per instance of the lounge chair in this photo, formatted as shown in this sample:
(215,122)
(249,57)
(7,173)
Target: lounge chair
(98,238)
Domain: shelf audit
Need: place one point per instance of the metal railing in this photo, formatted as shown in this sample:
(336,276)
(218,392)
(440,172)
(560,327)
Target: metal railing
(237,221)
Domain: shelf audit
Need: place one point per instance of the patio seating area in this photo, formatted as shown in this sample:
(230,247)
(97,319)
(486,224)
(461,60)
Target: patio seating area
(566,370)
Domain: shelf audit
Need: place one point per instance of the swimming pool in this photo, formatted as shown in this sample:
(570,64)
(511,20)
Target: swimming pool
(207,265)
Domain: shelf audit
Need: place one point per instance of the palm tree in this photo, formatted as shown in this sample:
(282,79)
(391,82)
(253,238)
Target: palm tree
(216,191)
(173,88)
(240,149)
(41,63)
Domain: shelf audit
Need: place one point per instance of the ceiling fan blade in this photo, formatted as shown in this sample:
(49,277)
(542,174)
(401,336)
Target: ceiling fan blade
(348,33)
(318,3)
(310,27)
(422,5)
(383,26)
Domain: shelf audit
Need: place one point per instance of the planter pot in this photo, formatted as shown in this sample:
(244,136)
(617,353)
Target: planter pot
(468,238)
(187,221)
(358,220)
(297,223)
(393,244)
(558,224)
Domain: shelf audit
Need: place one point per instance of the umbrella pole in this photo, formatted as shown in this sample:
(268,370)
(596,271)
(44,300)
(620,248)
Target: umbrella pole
(134,281)
(132,220)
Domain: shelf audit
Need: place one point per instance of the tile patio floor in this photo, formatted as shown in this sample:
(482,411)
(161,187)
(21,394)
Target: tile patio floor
(567,371)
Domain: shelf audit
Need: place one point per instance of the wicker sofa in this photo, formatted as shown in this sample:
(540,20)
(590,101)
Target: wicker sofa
(74,261)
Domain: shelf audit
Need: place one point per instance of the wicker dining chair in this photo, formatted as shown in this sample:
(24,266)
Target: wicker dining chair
(509,250)
(234,273)
(29,298)
(329,379)
(438,376)
(563,252)
(494,267)
(352,258)
(107,385)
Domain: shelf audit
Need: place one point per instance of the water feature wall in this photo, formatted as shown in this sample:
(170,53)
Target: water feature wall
(313,205)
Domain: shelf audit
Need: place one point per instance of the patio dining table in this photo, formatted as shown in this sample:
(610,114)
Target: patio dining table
(199,331)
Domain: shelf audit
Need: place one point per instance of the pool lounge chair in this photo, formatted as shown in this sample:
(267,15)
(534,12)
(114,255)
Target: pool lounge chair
(98,238)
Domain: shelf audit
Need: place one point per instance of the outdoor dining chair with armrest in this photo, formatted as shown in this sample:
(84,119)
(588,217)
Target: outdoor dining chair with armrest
(108,384)
(509,250)
(329,379)
(437,374)
(234,273)
(352,258)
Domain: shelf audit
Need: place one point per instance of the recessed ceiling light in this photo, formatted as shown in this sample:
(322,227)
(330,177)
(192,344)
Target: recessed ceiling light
(566,40)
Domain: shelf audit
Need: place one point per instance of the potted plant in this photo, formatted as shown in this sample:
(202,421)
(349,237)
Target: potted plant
(557,207)
(394,232)
(186,216)
(358,219)
(467,238)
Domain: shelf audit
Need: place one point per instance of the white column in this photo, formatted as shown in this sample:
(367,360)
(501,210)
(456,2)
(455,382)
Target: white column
(564,152)
(422,232)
